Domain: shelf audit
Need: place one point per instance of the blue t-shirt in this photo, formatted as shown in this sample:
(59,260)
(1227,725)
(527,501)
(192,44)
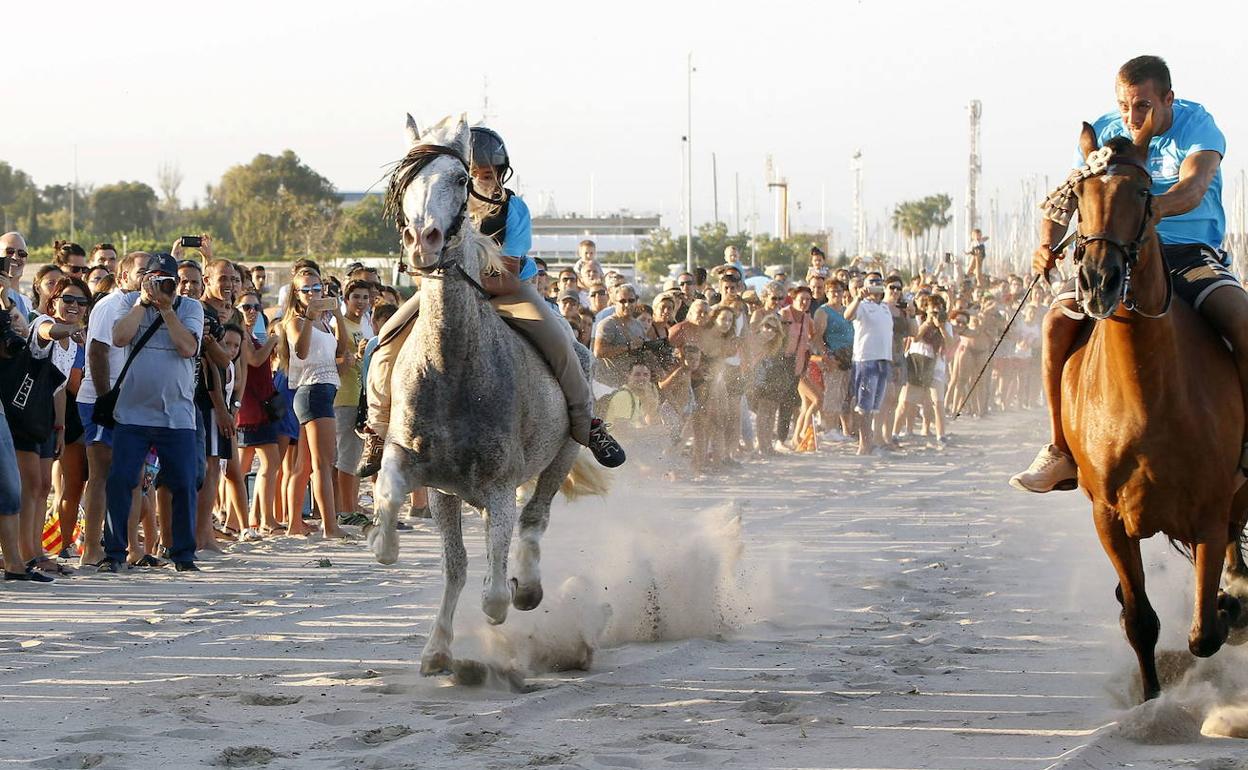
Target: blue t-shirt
(839,333)
(519,238)
(1191,131)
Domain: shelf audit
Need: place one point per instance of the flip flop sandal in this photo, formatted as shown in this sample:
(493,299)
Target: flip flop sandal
(149,561)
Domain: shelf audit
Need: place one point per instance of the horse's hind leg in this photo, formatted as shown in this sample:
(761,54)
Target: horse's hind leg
(1210,621)
(390,493)
(436,658)
(527,583)
(500,523)
(1139,621)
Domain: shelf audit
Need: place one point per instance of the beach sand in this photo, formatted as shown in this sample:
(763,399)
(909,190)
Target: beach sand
(821,611)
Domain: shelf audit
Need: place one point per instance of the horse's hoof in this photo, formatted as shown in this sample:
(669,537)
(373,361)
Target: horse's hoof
(1234,610)
(1205,646)
(436,664)
(386,549)
(525,599)
(495,609)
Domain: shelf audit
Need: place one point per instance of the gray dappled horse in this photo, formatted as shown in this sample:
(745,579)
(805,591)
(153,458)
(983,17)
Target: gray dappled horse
(476,410)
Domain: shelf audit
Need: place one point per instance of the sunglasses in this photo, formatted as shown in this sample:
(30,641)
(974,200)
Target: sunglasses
(9,251)
(686,283)
(541,272)
(77,269)
(567,278)
(69,299)
(597,294)
(894,287)
(315,288)
(249,306)
(163,279)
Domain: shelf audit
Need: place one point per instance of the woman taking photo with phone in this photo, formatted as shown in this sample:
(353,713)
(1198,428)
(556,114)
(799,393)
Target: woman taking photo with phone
(53,335)
(313,329)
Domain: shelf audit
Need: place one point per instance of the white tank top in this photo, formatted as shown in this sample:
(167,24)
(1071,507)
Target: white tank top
(319,367)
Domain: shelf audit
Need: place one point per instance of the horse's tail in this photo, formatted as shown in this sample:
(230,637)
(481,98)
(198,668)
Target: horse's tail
(586,478)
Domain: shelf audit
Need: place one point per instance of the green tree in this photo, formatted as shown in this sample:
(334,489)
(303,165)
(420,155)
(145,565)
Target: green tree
(17,193)
(124,207)
(270,199)
(364,229)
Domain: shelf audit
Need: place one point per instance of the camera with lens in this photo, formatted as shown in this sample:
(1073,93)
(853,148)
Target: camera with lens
(11,343)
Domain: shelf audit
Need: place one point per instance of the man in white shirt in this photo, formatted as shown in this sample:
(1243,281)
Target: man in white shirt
(13,246)
(104,362)
(873,356)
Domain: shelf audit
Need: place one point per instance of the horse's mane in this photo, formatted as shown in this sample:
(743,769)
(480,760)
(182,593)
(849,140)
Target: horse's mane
(480,248)
(406,169)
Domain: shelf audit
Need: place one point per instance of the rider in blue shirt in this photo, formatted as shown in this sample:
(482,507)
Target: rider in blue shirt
(1184,158)
(502,215)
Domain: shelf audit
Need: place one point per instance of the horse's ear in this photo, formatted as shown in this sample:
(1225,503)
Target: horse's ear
(463,136)
(413,133)
(1087,140)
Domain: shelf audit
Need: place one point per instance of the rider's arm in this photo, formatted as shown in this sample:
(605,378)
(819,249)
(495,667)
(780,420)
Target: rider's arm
(1195,176)
(1052,233)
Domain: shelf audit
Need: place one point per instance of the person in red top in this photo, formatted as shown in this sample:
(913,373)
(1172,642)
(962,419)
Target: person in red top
(257,428)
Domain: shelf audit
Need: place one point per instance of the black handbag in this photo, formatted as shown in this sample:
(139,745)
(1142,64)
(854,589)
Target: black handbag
(274,407)
(27,384)
(106,404)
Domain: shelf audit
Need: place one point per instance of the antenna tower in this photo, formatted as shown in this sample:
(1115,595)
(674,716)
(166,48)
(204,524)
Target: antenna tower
(860,218)
(780,187)
(972,180)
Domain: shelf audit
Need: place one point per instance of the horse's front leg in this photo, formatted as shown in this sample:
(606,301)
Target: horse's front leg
(389,495)
(446,511)
(1139,621)
(1210,616)
(500,522)
(527,583)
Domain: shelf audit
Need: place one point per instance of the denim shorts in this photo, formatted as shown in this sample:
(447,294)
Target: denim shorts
(10,479)
(258,435)
(870,383)
(315,402)
(92,433)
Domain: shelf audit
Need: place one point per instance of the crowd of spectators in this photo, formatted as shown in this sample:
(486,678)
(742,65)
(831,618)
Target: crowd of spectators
(178,401)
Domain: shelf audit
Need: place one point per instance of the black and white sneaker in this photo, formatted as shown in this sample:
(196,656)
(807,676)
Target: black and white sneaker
(29,574)
(607,451)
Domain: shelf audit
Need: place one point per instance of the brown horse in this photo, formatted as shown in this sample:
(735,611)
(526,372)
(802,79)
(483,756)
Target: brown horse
(1152,409)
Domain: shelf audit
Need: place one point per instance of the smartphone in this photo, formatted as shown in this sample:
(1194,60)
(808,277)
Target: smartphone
(5,261)
(192,241)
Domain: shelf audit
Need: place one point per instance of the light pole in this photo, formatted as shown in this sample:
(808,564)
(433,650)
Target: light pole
(689,164)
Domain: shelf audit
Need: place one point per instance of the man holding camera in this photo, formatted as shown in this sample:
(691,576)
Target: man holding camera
(104,362)
(13,257)
(156,409)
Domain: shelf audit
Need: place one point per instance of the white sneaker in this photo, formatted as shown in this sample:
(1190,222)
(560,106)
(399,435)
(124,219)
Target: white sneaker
(1052,469)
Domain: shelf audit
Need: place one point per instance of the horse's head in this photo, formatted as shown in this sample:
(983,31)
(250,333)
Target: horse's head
(428,191)
(1115,214)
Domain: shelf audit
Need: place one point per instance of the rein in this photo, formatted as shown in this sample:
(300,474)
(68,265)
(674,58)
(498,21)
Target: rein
(1060,204)
(404,174)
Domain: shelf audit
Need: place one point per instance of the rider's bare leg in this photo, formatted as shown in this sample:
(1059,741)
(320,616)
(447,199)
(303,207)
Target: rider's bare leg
(1054,468)
(1226,309)
(1059,334)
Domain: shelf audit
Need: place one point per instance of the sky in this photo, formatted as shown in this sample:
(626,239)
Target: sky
(593,96)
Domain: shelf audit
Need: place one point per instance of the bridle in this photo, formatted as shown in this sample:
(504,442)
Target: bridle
(404,173)
(1130,250)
